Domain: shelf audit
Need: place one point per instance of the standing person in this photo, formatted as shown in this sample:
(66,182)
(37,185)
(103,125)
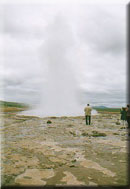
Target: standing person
(128,118)
(123,115)
(87,111)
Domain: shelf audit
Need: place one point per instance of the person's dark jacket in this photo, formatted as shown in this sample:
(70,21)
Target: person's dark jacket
(128,112)
(123,114)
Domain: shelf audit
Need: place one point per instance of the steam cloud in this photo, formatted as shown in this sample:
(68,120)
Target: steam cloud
(60,90)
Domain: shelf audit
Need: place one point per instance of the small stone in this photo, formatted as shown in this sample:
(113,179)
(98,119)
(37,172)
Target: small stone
(117,122)
(122,161)
(49,122)
(72,165)
(74,160)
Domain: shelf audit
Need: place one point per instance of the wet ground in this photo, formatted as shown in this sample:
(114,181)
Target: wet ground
(64,152)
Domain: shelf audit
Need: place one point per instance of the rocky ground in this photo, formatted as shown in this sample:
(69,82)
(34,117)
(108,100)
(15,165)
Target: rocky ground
(64,152)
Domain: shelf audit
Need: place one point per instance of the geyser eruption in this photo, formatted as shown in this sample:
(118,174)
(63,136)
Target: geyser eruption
(60,88)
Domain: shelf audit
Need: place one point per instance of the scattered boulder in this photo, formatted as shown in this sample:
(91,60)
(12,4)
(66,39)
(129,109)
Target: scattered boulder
(70,125)
(123,128)
(73,133)
(97,134)
(85,134)
(72,165)
(118,122)
(115,133)
(49,122)
(73,161)
(53,117)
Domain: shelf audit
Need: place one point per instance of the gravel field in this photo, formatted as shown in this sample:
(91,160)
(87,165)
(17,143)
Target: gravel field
(64,151)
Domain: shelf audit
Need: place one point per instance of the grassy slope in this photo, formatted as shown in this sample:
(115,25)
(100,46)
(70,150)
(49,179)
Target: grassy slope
(12,106)
(108,110)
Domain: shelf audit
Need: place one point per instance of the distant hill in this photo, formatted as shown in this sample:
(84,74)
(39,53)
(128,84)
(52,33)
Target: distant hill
(12,104)
(106,109)
(100,107)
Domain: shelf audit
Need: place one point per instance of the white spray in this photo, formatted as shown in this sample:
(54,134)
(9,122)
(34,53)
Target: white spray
(60,90)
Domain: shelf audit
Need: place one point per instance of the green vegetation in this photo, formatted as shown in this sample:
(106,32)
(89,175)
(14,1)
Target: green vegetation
(7,180)
(85,134)
(115,133)
(49,122)
(12,104)
(123,128)
(97,134)
(12,107)
(108,110)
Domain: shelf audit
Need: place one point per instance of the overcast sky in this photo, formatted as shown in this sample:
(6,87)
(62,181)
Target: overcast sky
(82,46)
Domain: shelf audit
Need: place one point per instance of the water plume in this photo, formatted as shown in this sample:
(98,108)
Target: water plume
(60,89)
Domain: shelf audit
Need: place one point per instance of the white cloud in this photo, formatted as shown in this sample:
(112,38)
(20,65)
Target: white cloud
(83,45)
